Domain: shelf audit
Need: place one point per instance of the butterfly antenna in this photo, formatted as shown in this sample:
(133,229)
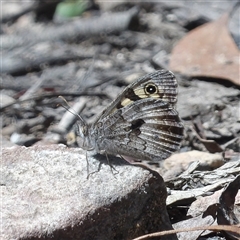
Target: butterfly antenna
(71,110)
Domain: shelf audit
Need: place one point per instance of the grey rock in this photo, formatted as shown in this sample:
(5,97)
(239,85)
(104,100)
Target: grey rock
(47,194)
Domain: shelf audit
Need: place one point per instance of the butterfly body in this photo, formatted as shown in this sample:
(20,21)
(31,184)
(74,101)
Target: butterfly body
(140,123)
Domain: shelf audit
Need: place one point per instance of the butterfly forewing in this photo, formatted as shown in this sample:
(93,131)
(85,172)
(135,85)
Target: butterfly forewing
(166,91)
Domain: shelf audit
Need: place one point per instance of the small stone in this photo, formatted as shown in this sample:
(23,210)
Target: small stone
(206,160)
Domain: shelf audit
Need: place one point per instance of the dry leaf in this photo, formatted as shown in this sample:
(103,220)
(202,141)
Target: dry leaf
(228,212)
(193,222)
(208,51)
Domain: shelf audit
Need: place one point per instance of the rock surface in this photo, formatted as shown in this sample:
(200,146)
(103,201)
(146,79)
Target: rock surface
(46,195)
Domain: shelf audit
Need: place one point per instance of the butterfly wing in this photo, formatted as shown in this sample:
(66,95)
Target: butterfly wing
(142,122)
(164,81)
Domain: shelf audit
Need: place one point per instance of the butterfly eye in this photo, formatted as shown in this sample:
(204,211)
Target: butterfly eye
(150,89)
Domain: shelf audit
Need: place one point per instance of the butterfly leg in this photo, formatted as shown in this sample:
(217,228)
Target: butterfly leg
(99,167)
(88,172)
(111,166)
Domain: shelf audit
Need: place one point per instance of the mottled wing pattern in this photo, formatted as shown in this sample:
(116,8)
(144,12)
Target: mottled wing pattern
(142,122)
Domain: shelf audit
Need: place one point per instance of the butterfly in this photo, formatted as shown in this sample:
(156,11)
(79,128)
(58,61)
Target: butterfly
(141,123)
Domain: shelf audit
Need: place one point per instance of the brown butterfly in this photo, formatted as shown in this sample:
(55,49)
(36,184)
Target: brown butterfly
(141,123)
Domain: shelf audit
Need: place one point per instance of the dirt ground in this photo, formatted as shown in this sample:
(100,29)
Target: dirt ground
(89,55)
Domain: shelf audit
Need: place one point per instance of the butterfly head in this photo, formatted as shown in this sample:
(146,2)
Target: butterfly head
(83,137)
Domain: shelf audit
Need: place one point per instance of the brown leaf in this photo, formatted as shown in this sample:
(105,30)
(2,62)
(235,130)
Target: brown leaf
(208,51)
(229,213)
(211,145)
